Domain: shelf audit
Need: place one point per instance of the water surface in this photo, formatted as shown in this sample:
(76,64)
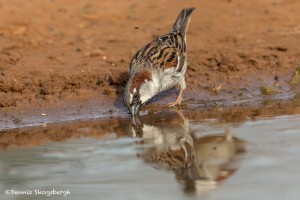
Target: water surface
(217,153)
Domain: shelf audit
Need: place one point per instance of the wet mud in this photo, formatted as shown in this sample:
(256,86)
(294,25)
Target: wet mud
(121,126)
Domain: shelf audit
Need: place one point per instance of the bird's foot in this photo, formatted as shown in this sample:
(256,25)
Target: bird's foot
(176,103)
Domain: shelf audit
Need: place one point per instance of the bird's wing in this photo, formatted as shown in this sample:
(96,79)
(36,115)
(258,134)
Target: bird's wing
(165,52)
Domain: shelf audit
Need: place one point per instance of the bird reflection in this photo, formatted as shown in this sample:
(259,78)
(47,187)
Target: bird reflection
(199,164)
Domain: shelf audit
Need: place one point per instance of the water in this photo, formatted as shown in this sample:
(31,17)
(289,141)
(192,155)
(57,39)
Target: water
(217,153)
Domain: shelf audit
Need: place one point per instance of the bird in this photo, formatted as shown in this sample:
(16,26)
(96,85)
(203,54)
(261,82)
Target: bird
(159,66)
(165,139)
(199,163)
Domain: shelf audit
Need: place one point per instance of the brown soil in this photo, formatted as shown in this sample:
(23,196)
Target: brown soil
(55,55)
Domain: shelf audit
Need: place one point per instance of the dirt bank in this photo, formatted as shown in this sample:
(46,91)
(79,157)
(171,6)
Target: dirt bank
(54,54)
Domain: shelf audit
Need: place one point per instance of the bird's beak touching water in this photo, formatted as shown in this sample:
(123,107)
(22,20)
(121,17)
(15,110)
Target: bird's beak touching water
(134,109)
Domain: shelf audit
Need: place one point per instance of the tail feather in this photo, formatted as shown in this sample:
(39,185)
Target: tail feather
(183,20)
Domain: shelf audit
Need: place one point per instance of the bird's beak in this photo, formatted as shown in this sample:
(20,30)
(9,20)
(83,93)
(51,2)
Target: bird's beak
(135,120)
(134,110)
(136,126)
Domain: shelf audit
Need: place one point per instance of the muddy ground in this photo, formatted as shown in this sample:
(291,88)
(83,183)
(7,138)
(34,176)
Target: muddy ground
(59,132)
(59,59)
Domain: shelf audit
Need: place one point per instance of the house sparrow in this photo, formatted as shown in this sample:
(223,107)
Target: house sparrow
(199,163)
(166,141)
(159,66)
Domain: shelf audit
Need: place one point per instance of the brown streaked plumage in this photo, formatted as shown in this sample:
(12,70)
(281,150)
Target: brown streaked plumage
(199,163)
(159,66)
(161,53)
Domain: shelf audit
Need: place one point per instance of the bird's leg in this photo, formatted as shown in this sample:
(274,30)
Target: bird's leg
(182,86)
(178,99)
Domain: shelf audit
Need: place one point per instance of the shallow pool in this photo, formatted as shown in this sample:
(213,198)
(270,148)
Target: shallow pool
(218,153)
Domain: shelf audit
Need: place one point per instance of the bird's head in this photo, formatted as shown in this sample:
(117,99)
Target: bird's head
(138,91)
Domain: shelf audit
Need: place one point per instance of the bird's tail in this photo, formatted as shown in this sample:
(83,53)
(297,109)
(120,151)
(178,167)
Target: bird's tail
(183,20)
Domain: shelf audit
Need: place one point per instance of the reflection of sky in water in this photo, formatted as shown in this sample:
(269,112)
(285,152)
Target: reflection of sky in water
(109,168)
